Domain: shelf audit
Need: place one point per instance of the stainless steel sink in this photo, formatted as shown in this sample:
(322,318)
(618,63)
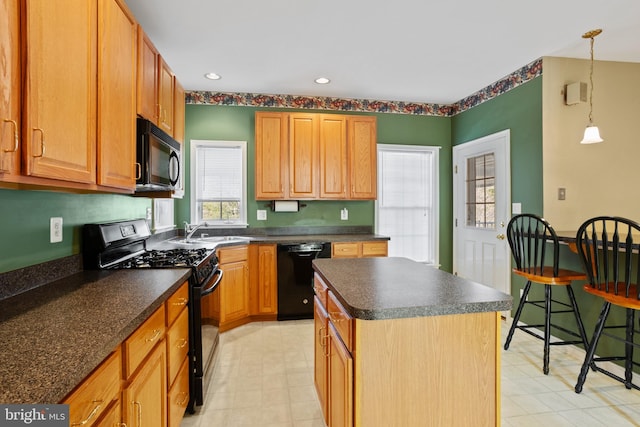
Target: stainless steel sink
(208,240)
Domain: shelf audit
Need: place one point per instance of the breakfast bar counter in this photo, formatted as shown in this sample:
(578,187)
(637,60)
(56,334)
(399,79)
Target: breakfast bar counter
(401,343)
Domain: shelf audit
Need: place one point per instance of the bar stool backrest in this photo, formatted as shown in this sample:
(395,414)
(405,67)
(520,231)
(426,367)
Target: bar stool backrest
(608,247)
(529,237)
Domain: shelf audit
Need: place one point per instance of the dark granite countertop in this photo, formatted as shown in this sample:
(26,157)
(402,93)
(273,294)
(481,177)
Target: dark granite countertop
(389,288)
(53,336)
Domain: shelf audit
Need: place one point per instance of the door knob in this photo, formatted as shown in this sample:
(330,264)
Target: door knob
(500,236)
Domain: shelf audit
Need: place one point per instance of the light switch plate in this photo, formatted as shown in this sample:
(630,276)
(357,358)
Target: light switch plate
(516,208)
(261,214)
(55,229)
(344,214)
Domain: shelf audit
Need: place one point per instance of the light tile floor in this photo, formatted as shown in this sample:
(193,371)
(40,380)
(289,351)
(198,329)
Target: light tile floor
(264,377)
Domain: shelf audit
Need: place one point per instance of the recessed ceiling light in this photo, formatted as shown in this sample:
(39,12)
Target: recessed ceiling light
(213,76)
(322,80)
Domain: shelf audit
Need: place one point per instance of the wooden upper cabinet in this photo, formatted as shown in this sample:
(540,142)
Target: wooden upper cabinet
(9,88)
(362,168)
(147,82)
(333,156)
(117,31)
(165,96)
(315,156)
(271,168)
(178,111)
(59,129)
(303,155)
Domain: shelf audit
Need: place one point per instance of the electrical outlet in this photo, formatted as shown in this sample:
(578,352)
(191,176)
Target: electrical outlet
(344,214)
(521,292)
(55,230)
(261,214)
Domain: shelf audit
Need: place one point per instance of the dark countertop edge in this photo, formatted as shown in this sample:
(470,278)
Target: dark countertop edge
(502,304)
(428,311)
(47,391)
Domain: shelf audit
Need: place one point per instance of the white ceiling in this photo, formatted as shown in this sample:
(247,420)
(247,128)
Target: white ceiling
(392,50)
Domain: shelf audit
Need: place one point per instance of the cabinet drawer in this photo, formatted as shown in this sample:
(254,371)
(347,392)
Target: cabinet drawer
(344,249)
(374,248)
(320,288)
(142,341)
(233,254)
(177,302)
(90,400)
(179,395)
(177,344)
(342,320)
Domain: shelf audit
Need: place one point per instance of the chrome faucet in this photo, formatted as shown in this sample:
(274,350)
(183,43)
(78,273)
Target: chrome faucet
(190,229)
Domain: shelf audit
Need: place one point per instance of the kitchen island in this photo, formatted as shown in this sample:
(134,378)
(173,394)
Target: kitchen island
(402,343)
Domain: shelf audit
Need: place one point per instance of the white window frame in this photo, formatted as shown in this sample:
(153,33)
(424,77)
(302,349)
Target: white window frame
(435,192)
(242,221)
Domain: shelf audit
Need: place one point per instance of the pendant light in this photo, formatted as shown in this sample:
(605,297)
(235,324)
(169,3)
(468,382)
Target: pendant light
(591,133)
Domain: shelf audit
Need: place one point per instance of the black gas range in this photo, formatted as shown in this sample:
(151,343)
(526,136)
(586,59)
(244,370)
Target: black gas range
(125,245)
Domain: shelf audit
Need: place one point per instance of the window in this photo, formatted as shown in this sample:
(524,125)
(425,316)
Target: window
(481,191)
(407,205)
(219,183)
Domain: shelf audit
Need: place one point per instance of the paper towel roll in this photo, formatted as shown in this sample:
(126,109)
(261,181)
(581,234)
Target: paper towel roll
(285,206)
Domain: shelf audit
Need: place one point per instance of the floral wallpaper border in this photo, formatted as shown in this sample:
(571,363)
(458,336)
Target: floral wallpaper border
(513,80)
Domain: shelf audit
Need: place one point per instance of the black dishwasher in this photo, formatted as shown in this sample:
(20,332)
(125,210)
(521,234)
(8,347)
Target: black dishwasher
(295,278)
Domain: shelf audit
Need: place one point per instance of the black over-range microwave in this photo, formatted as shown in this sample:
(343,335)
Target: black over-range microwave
(158,157)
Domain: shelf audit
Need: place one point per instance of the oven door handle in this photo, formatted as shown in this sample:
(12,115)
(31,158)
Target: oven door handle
(210,289)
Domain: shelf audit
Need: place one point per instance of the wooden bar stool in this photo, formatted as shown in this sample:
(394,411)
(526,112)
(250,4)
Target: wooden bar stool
(533,241)
(608,247)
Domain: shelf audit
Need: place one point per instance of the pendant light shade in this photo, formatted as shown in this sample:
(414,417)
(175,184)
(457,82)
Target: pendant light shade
(591,133)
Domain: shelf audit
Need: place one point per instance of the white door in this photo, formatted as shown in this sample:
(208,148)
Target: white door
(481,199)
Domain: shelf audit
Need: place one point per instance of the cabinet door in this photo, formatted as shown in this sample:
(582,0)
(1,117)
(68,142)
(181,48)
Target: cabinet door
(272,136)
(9,88)
(60,95)
(340,382)
(178,111)
(321,353)
(267,280)
(234,301)
(303,155)
(362,157)
(147,81)
(145,398)
(165,96)
(333,156)
(116,95)
(111,418)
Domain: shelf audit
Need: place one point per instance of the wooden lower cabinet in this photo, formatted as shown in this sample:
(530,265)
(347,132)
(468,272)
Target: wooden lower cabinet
(145,398)
(112,416)
(321,352)
(145,381)
(339,382)
(263,281)
(89,402)
(178,396)
(359,249)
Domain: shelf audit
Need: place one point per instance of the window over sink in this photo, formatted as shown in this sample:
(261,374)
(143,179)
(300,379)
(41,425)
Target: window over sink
(219,183)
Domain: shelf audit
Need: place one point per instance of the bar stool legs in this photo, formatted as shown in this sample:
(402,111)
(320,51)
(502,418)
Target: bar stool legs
(590,359)
(546,337)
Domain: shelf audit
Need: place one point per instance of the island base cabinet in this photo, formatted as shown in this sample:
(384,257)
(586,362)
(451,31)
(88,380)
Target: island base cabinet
(340,382)
(427,371)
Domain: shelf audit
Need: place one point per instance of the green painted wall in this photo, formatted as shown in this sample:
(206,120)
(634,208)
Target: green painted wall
(24,228)
(237,123)
(519,110)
